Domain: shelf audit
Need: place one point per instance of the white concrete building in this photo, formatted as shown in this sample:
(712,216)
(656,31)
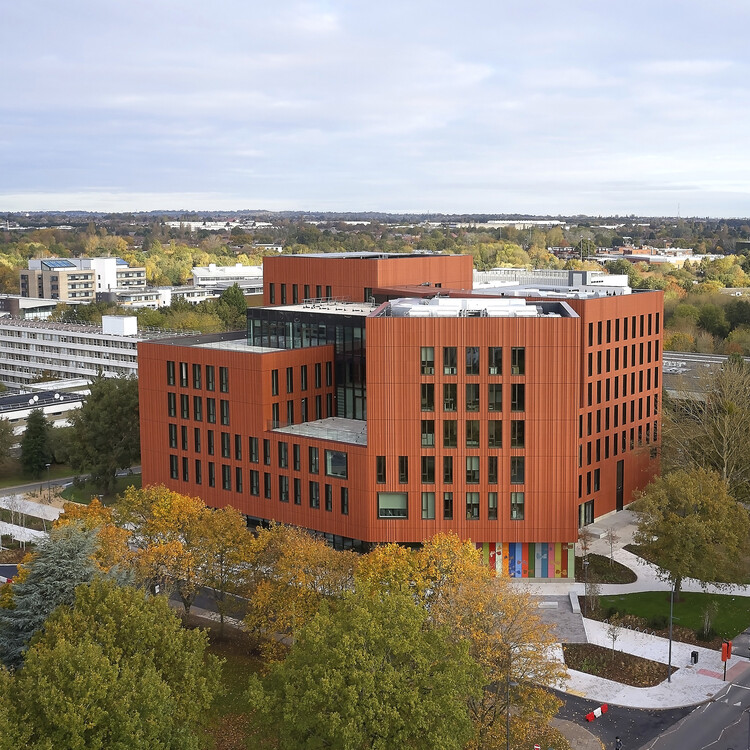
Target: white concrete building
(249,278)
(31,350)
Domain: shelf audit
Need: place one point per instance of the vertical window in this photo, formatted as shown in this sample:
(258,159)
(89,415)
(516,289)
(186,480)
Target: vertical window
(226,477)
(472,360)
(472,469)
(313,460)
(296,457)
(329,292)
(495,354)
(183,374)
(450,397)
(428,433)
(290,412)
(197,440)
(492,506)
(173,467)
(495,400)
(472,433)
(185,406)
(329,497)
(306,291)
(329,404)
(290,380)
(283,294)
(472,397)
(253,450)
(318,407)
(494,433)
(211,410)
(210,439)
(267,485)
(267,452)
(450,433)
(319,291)
(491,469)
(329,373)
(198,472)
(272,294)
(314,488)
(295,294)
(170,373)
(518,397)
(274,382)
(517,469)
(403,469)
(518,433)
(450,360)
(172,435)
(254,482)
(297,491)
(224,406)
(428,469)
(518,360)
(597,480)
(210,378)
(224,379)
(303,377)
(516,506)
(211,474)
(448,469)
(198,408)
(238,479)
(427,396)
(238,447)
(427,360)
(428,506)
(472,506)
(171,404)
(318,375)
(197,377)
(380,469)
(448,506)
(184,434)
(303,410)
(283,455)
(225,445)
(344,501)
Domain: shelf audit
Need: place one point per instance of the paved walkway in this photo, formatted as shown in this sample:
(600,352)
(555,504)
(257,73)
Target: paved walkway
(690,684)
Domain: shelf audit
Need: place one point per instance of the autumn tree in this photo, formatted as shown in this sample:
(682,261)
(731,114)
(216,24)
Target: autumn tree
(115,669)
(35,453)
(105,433)
(706,424)
(691,527)
(369,672)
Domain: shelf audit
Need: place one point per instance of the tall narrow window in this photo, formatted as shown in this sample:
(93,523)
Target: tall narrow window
(518,433)
(450,433)
(185,406)
(494,433)
(210,378)
(492,506)
(491,469)
(427,366)
(403,469)
(196,377)
(472,433)
(516,506)
(450,360)
(472,360)
(170,373)
(518,360)
(450,391)
(380,469)
(314,460)
(303,378)
(495,354)
(518,397)
(290,380)
(427,392)
(448,506)
(472,506)
(495,400)
(472,397)
(314,495)
(428,433)
(428,469)
(344,501)
(224,379)
(183,374)
(274,382)
(448,469)
(428,506)
(472,469)
(517,469)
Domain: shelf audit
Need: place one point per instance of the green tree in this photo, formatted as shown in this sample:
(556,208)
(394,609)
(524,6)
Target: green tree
(61,563)
(232,308)
(35,453)
(7,439)
(691,526)
(116,670)
(368,673)
(105,433)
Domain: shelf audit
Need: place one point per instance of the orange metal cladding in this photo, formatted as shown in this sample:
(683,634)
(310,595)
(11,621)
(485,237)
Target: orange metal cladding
(552,382)
(348,277)
(251,399)
(635,407)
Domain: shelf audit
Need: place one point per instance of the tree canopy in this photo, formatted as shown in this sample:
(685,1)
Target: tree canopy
(691,526)
(105,433)
(35,452)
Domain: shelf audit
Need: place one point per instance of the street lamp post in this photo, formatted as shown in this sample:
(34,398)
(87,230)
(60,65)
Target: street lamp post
(49,488)
(585,587)
(671,612)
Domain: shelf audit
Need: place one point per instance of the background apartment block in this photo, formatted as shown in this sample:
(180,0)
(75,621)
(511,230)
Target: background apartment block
(509,416)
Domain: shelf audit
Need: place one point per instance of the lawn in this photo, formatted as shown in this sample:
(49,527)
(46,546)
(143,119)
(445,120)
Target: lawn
(87,491)
(12,474)
(731,613)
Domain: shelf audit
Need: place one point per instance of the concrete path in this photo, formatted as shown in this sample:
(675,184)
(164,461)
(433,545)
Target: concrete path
(567,624)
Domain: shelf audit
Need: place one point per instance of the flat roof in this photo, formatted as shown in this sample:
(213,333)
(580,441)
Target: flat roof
(471,307)
(343,430)
(237,345)
(333,306)
(372,256)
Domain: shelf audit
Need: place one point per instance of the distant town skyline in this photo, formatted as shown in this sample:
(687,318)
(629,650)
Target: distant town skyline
(538,108)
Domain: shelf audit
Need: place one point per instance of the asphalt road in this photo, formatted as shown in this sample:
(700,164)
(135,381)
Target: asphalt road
(721,724)
(634,726)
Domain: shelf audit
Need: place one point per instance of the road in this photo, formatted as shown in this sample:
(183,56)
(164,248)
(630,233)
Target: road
(722,724)
(42,483)
(633,726)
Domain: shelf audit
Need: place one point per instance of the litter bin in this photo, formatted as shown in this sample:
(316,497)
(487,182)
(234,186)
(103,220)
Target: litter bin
(693,657)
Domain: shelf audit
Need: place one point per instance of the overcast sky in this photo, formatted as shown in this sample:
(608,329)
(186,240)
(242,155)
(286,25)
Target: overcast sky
(544,106)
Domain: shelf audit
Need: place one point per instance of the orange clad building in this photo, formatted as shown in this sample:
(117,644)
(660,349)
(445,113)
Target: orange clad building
(509,416)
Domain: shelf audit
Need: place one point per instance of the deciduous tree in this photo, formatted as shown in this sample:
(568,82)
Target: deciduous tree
(371,673)
(692,527)
(35,453)
(7,440)
(115,670)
